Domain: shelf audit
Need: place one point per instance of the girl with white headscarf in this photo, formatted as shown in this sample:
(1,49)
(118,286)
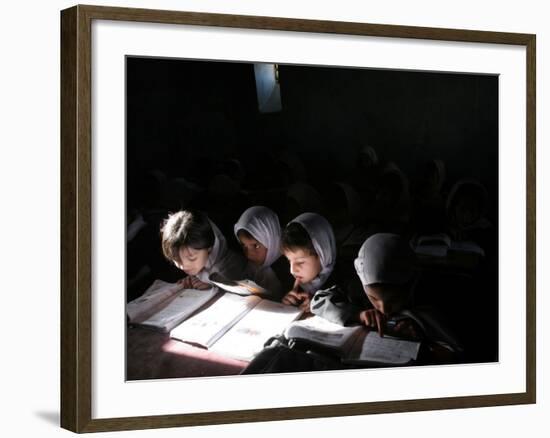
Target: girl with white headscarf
(259,233)
(309,245)
(466,209)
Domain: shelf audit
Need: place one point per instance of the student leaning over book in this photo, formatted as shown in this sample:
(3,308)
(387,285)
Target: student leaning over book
(309,245)
(195,245)
(259,233)
(386,270)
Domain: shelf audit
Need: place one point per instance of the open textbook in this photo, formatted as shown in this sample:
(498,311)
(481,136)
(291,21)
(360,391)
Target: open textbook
(236,326)
(354,345)
(441,245)
(164,305)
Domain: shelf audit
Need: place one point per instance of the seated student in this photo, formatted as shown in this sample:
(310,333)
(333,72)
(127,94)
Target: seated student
(196,246)
(467,206)
(309,245)
(365,174)
(428,208)
(391,206)
(385,268)
(259,233)
(301,197)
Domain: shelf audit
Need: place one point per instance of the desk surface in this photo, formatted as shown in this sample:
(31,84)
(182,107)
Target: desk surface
(153,355)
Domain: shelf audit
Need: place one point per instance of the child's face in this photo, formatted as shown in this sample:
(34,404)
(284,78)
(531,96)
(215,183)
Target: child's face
(253,250)
(387,299)
(303,265)
(192,260)
(467,211)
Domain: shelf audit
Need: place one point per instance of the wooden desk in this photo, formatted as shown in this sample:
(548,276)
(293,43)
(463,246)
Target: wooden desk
(153,355)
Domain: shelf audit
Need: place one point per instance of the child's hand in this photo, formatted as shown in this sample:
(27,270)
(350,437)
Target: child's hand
(408,329)
(197,284)
(372,318)
(186,282)
(192,282)
(297,298)
(305,303)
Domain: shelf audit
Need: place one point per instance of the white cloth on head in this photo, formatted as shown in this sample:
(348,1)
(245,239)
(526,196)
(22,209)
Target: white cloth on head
(263,224)
(384,258)
(370,154)
(476,187)
(221,259)
(321,235)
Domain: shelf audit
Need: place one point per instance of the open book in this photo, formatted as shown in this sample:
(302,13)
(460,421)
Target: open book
(440,245)
(354,345)
(164,305)
(236,326)
(239,287)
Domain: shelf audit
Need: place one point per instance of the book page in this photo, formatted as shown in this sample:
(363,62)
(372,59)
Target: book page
(387,350)
(247,338)
(144,306)
(431,250)
(208,326)
(179,308)
(434,239)
(434,245)
(239,287)
(322,332)
(468,247)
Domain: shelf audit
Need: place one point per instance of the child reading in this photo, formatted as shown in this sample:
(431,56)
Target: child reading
(466,209)
(386,270)
(309,245)
(259,233)
(196,246)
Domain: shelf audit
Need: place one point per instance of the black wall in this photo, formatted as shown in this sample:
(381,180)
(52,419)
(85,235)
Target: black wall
(185,115)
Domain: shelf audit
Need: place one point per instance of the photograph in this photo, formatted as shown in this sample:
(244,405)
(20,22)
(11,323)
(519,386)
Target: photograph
(255,204)
(289,218)
(275,219)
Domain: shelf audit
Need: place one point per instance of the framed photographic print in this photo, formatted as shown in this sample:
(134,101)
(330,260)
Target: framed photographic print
(404,155)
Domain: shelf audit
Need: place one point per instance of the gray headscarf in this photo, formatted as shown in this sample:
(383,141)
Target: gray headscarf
(476,187)
(218,255)
(263,224)
(321,235)
(384,258)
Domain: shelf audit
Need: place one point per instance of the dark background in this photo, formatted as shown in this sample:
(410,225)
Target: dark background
(181,113)
(189,122)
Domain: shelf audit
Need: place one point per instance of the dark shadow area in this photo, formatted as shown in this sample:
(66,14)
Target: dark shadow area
(49,417)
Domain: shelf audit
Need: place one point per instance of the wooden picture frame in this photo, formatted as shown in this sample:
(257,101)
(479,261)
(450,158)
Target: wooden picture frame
(76,218)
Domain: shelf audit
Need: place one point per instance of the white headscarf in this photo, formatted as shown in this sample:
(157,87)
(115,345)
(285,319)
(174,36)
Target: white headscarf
(263,224)
(219,255)
(475,185)
(384,258)
(321,235)
(369,153)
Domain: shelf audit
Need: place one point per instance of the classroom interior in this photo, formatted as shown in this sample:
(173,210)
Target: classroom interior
(371,150)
